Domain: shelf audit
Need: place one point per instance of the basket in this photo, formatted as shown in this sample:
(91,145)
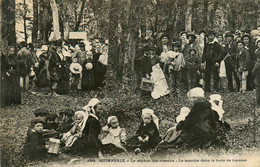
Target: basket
(147,85)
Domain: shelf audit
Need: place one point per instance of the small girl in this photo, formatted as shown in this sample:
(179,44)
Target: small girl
(75,70)
(193,62)
(35,147)
(147,136)
(114,136)
(80,118)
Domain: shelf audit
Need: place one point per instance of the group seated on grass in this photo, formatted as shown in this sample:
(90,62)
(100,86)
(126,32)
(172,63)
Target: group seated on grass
(198,126)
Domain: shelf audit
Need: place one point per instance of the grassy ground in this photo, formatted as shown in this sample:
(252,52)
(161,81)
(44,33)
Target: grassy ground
(126,105)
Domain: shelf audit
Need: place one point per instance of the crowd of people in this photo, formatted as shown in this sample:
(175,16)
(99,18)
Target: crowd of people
(61,67)
(208,60)
(188,62)
(199,125)
(193,60)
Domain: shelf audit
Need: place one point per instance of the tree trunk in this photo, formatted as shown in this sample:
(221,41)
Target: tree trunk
(113,36)
(212,14)
(35,21)
(8,22)
(80,15)
(1,15)
(55,17)
(257,2)
(188,16)
(24,21)
(205,15)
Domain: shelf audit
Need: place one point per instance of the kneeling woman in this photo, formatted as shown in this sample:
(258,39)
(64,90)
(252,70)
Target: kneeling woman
(89,144)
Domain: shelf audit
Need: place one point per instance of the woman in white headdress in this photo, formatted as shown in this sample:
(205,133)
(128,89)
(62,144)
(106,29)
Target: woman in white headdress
(80,119)
(147,136)
(89,144)
(160,84)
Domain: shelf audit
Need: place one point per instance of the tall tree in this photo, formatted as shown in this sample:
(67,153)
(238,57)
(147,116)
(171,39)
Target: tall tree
(35,21)
(83,2)
(8,22)
(55,18)
(188,16)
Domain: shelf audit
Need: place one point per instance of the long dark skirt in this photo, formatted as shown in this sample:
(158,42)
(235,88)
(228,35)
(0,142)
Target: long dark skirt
(87,79)
(10,89)
(134,143)
(63,84)
(83,147)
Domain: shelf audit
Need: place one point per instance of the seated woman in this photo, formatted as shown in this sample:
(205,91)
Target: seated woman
(113,137)
(75,132)
(147,136)
(89,144)
(200,129)
(35,148)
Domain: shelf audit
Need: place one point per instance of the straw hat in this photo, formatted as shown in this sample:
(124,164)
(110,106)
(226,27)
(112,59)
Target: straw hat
(75,68)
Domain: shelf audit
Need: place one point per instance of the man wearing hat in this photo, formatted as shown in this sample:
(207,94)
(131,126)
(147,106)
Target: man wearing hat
(25,63)
(230,60)
(192,45)
(54,67)
(137,63)
(212,56)
(249,45)
(164,44)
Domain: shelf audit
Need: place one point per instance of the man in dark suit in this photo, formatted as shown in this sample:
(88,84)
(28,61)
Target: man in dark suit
(231,61)
(212,56)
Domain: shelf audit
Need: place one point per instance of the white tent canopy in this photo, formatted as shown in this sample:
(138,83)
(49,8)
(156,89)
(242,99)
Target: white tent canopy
(80,35)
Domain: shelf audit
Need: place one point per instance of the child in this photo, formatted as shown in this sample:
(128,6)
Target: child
(114,136)
(66,120)
(75,69)
(243,64)
(80,118)
(35,147)
(147,136)
(51,121)
(176,63)
(193,62)
(256,73)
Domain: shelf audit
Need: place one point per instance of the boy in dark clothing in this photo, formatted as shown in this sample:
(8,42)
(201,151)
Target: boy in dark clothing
(51,121)
(35,148)
(66,122)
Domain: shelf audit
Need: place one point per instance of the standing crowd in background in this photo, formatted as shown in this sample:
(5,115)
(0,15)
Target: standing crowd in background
(215,62)
(61,67)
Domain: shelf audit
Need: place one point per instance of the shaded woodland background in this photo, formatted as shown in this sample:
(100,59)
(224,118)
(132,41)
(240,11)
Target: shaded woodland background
(121,21)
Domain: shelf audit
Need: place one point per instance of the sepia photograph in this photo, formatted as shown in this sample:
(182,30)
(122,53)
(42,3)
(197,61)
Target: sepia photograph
(166,83)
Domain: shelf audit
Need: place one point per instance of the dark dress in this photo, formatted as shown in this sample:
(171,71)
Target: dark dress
(63,84)
(201,129)
(43,76)
(34,147)
(10,87)
(149,130)
(88,145)
(54,68)
(87,76)
(99,71)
